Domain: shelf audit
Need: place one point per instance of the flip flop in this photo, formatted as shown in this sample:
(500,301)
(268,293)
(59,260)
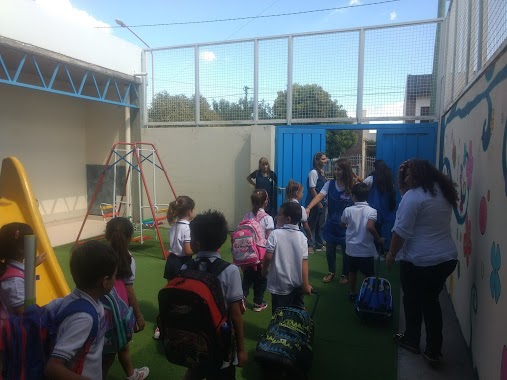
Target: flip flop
(328,277)
(344,280)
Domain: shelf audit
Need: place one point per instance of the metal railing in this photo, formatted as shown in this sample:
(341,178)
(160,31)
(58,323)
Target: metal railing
(376,73)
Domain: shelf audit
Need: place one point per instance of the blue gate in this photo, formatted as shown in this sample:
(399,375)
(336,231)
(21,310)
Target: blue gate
(296,145)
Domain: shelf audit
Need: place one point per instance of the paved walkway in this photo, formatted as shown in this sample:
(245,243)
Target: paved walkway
(457,361)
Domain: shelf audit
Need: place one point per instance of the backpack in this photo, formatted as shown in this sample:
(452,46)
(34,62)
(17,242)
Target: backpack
(28,339)
(248,241)
(194,323)
(119,316)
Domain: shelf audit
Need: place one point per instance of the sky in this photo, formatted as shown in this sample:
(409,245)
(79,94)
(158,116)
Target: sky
(132,13)
(227,69)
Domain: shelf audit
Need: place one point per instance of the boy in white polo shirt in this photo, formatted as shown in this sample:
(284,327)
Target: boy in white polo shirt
(93,266)
(287,260)
(361,236)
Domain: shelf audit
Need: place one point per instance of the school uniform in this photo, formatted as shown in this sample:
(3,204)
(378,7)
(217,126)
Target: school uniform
(360,247)
(73,333)
(289,247)
(12,291)
(316,220)
(230,280)
(179,234)
(267,183)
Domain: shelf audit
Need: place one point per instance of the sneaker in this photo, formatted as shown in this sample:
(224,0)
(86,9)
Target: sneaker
(432,357)
(242,307)
(139,374)
(402,341)
(156,334)
(260,307)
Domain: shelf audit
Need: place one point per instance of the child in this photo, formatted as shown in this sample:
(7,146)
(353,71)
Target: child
(12,252)
(93,267)
(119,232)
(208,233)
(361,236)
(252,274)
(287,254)
(179,215)
(294,193)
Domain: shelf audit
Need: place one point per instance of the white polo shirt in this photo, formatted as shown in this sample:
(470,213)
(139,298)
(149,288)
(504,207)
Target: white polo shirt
(266,222)
(179,234)
(289,247)
(424,222)
(304,215)
(360,243)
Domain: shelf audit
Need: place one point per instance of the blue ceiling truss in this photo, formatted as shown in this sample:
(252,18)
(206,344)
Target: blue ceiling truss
(37,72)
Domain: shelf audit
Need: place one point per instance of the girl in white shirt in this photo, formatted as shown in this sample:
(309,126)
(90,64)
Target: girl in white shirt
(179,215)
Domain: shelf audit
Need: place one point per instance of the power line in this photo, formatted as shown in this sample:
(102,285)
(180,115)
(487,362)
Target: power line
(250,17)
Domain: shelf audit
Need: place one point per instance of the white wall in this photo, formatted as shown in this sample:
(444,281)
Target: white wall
(475,155)
(210,165)
(55,137)
(31,23)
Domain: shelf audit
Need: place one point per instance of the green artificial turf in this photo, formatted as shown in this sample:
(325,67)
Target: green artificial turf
(344,347)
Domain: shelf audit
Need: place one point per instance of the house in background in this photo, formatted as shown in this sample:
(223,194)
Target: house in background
(418,92)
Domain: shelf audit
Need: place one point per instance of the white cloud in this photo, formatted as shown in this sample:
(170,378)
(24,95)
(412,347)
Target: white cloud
(208,56)
(63,9)
(354,2)
(393,15)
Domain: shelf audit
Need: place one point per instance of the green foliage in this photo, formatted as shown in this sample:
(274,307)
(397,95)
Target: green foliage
(338,142)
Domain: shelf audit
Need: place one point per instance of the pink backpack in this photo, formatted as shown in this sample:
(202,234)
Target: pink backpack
(248,241)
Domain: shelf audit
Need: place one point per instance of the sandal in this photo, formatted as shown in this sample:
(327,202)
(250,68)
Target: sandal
(344,280)
(328,277)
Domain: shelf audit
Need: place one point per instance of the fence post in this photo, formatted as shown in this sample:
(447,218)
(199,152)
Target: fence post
(360,78)
(289,80)
(197,100)
(256,82)
(456,10)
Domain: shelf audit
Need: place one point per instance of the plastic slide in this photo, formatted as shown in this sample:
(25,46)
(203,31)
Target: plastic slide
(18,204)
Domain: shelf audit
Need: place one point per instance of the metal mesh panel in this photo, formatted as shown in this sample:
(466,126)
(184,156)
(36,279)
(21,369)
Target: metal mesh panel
(474,41)
(325,76)
(171,85)
(273,59)
(398,70)
(460,78)
(226,81)
(449,66)
(495,26)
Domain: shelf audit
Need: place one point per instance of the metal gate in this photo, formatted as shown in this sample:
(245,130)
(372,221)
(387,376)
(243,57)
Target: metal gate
(296,145)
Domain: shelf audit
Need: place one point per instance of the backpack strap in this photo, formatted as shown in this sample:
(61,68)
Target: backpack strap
(81,305)
(12,272)
(215,268)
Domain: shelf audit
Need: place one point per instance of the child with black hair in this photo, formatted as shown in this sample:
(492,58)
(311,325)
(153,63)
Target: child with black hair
(119,233)
(208,232)
(252,275)
(294,193)
(286,260)
(93,266)
(12,268)
(361,236)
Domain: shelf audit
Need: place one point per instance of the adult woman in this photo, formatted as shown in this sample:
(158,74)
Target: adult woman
(338,192)
(315,183)
(382,198)
(427,253)
(265,179)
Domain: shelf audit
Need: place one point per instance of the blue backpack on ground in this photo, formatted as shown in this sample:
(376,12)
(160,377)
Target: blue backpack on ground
(27,340)
(375,299)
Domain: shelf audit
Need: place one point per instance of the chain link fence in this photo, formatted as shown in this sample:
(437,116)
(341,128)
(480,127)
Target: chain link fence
(381,73)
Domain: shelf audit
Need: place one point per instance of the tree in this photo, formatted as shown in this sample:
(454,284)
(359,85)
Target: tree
(166,108)
(311,101)
(242,110)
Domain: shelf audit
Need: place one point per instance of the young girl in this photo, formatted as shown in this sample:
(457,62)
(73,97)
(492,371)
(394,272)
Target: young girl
(339,197)
(12,277)
(179,215)
(294,193)
(253,275)
(119,232)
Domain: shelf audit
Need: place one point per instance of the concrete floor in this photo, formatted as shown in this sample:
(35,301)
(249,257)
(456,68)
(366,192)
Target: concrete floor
(457,361)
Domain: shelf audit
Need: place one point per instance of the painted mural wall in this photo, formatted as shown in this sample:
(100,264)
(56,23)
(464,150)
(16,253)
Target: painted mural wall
(474,153)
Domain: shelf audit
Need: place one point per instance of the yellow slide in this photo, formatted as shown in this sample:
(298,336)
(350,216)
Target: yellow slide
(18,204)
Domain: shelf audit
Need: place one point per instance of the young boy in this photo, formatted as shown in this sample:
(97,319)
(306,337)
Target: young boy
(287,255)
(93,266)
(361,236)
(208,231)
